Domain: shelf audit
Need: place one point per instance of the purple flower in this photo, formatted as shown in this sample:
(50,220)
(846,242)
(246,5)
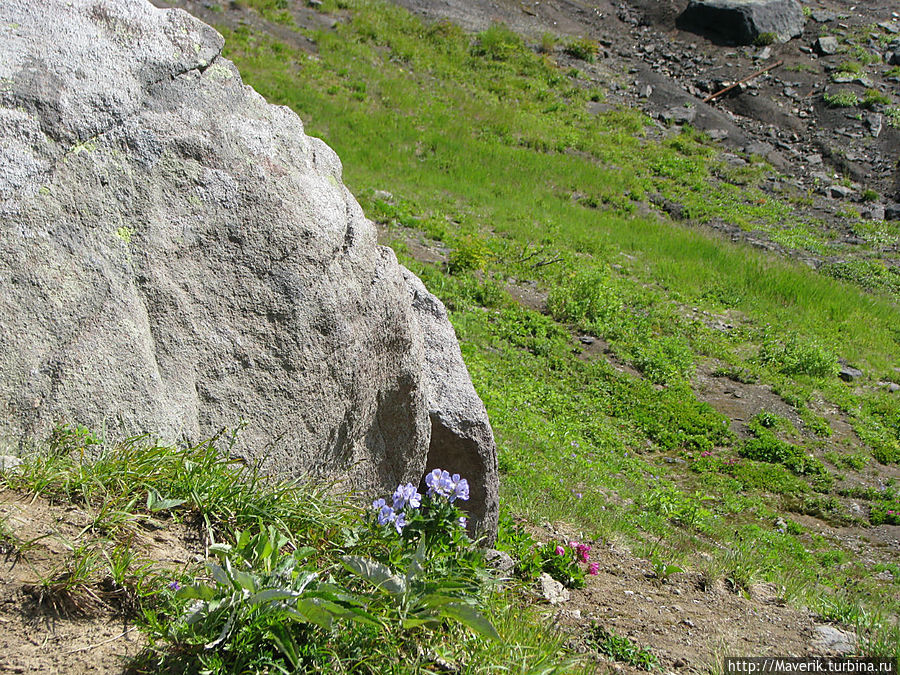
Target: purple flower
(406,494)
(386,515)
(441,483)
(461,489)
(400,522)
(594,569)
(463,521)
(377,504)
(174,586)
(560,550)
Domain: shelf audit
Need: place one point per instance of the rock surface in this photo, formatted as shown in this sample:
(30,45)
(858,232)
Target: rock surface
(177,256)
(743,21)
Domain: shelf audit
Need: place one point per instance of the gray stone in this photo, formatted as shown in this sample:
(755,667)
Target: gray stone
(551,590)
(827,45)
(833,641)
(875,123)
(892,212)
(743,21)
(839,191)
(895,59)
(849,373)
(9,463)
(874,212)
(177,256)
(461,437)
(823,15)
(384,195)
(499,560)
(678,115)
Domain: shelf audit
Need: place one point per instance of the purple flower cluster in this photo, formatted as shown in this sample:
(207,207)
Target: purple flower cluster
(442,483)
(405,497)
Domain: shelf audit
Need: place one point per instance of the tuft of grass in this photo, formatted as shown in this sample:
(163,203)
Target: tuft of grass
(874,98)
(840,99)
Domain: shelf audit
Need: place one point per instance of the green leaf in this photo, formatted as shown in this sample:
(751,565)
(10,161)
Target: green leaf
(155,502)
(375,573)
(195,592)
(472,619)
(246,581)
(219,575)
(220,548)
(310,610)
(271,594)
(304,552)
(286,644)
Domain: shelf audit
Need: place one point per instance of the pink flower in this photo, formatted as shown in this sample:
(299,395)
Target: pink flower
(594,569)
(560,550)
(583,551)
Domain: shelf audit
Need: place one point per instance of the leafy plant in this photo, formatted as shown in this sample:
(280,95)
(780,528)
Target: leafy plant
(873,98)
(416,601)
(581,48)
(796,356)
(620,648)
(663,569)
(257,596)
(840,99)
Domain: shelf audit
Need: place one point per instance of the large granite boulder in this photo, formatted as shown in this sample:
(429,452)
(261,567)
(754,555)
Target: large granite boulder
(743,21)
(177,256)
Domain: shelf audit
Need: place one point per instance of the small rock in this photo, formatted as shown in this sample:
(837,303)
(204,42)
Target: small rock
(892,212)
(827,45)
(499,560)
(646,91)
(814,159)
(629,593)
(891,27)
(551,590)
(833,640)
(823,15)
(688,623)
(892,387)
(717,134)
(874,122)
(839,191)
(678,115)
(679,663)
(384,196)
(894,59)
(874,212)
(8,462)
(587,339)
(763,54)
(849,373)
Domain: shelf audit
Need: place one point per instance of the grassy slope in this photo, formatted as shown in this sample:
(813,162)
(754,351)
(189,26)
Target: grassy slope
(489,148)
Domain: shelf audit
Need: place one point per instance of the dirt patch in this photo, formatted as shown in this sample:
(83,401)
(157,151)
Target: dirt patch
(689,622)
(50,623)
(739,401)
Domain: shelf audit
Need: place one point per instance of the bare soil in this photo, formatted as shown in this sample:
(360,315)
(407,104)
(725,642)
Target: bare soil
(48,625)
